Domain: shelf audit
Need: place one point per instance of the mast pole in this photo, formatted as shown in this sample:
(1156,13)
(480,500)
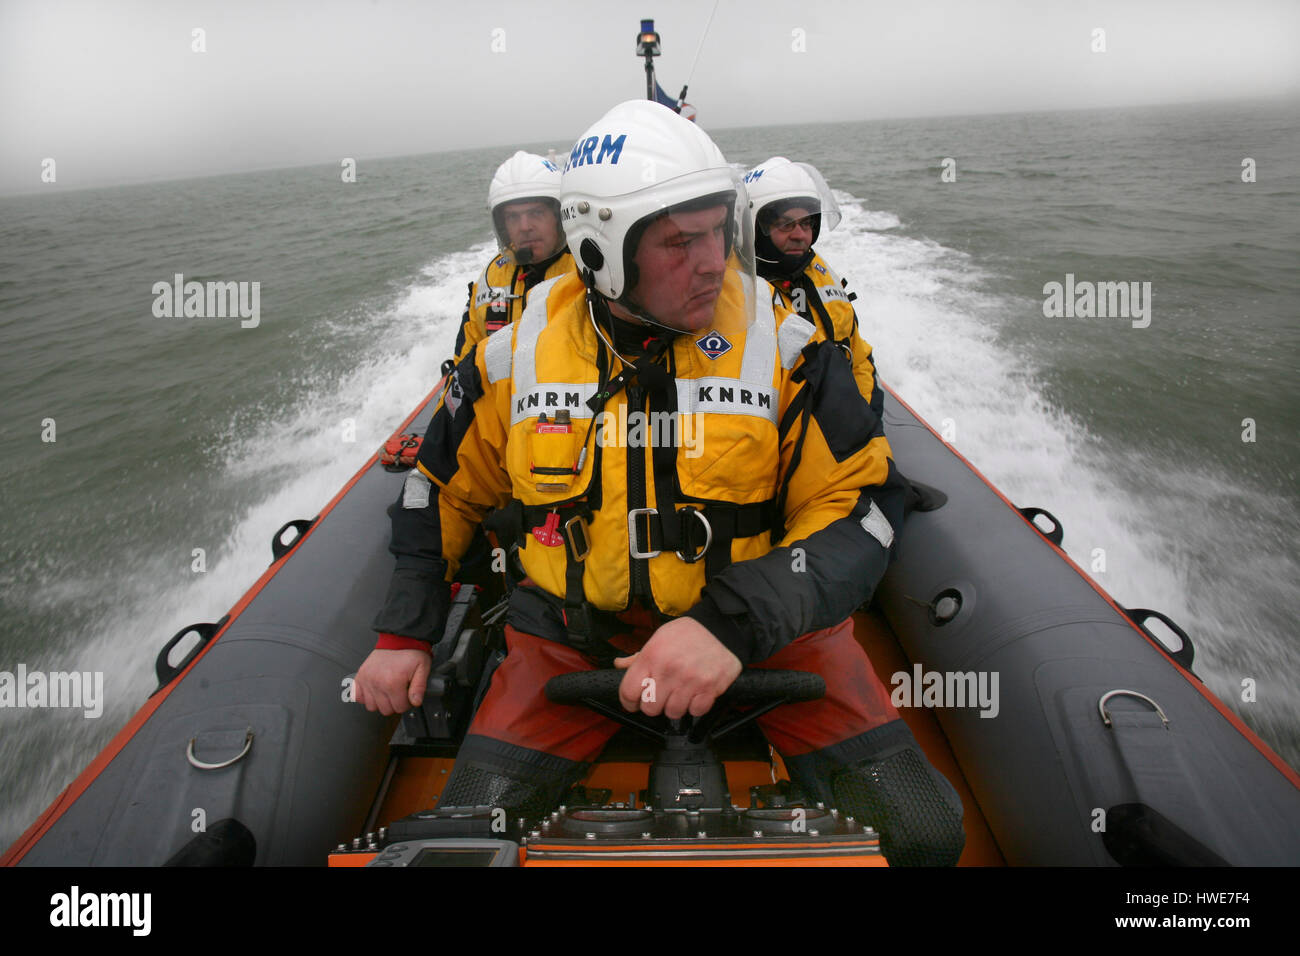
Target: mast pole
(647,45)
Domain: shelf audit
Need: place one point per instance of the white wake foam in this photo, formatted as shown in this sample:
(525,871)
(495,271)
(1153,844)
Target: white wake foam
(1196,545)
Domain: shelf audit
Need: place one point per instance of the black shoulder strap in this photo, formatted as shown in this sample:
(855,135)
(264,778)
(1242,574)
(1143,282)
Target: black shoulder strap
(801,407)
(816,305)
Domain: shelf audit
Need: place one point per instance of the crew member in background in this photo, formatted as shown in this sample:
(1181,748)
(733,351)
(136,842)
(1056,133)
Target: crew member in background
(789,204)
(524,200)
(749,542)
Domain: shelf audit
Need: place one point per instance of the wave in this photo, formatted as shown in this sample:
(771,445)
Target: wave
(293,467)
(935,333)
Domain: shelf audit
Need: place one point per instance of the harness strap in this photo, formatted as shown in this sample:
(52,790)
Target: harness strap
(697,525)
(828,326)
(805,414)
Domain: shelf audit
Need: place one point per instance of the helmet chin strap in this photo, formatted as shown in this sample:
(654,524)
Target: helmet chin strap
(589,280)
(647,319)
(639,313)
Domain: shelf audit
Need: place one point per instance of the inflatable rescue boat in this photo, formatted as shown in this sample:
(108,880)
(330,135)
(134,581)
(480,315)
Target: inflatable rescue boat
(1073,734)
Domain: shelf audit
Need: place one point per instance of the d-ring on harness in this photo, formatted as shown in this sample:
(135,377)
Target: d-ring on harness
(683,515)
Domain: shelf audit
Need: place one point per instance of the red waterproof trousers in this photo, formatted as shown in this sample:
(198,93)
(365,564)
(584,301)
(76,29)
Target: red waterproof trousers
(516,711)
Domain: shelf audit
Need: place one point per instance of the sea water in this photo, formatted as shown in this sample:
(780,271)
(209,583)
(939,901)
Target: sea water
(180,443)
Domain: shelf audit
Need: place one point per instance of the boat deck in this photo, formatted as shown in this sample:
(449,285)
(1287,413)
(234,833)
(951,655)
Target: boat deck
(418,781)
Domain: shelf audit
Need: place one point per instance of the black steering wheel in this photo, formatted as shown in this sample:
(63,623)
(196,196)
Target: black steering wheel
(752,688)
(758,689)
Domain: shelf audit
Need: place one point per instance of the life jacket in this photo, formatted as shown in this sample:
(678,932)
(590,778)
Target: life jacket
(822,297)
(724,462)
(498,296)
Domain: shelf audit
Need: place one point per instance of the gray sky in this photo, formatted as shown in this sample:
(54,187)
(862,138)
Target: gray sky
(113,91)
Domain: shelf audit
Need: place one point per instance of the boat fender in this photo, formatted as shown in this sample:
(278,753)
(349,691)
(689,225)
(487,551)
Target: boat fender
(166,671)
(1183,654)
(279,547)
(1057,532)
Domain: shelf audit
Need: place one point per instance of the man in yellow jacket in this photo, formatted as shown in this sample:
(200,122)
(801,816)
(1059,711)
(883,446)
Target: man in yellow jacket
(524,200)
(702,487)
(789,205)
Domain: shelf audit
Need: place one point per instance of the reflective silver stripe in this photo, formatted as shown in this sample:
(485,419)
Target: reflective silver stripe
(496,355)
(791,338)
(726,396)
(877,525)
(550,397)
(528,329)
(490,293)
(835,287)
(415,491)
(760,341)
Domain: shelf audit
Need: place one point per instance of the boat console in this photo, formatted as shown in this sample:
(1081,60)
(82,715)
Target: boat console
(684,815)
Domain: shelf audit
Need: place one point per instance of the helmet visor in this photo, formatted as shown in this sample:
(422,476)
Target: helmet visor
(786,214)
(529,228)
(691,266)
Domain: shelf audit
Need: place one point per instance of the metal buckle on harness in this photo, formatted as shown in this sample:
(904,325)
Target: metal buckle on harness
(579,554)
(689,559)
(631,532)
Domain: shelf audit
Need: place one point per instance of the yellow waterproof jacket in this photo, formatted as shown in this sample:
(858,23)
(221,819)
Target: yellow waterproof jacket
(498,296)
(820,296)
(763,431)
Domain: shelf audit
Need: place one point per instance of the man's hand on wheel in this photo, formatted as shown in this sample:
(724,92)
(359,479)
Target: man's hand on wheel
(682,668)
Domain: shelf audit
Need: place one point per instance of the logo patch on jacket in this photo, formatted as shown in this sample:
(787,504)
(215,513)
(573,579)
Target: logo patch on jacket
(501,263)
(713,345)
(455,394)
(819,267)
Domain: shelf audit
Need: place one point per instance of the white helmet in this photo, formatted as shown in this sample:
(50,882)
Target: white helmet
(637,162)
(522,177)
(779,183)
